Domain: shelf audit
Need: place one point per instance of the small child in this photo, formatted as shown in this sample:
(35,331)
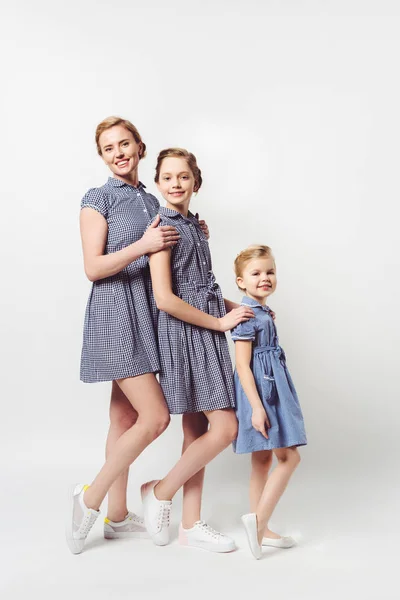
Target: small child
(267,407)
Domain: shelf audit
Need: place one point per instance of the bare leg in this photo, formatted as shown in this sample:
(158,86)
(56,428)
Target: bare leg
(194,426)
(222,431)
(122,417)
(260,466)
(145,395)
(288,460)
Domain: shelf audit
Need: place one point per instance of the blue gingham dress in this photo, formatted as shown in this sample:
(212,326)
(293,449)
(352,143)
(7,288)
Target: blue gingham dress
(274,385)
(119,336)
(196,371)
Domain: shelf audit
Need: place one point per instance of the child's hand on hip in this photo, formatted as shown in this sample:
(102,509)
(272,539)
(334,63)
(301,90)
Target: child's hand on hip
(259,420)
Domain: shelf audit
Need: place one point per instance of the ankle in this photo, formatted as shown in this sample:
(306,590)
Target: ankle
(159,494)
(87,500)
(189,523)
(117,517)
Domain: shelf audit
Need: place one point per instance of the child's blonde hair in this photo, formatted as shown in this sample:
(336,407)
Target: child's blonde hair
(180,153)
(248,254)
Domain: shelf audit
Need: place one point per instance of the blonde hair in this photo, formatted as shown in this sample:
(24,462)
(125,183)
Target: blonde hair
(112,122)
(180,153)
(250,253)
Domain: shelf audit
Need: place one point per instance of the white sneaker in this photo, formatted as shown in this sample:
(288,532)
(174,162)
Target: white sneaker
(250,525)
(156,514)
(131,526)
(82,520)
(283,542)
(203,536)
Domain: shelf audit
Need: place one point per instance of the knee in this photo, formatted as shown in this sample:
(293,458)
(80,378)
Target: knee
(262,459)
(155,426)
(230,432)
(194,425)
(291,457)
(123,420)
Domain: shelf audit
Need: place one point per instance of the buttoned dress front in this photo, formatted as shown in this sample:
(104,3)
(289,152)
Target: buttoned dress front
(196,371)
(119,337)
(274,384)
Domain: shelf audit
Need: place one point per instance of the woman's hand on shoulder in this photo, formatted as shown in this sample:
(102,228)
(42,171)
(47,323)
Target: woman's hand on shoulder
(234,317)
(159,238)
(259,420)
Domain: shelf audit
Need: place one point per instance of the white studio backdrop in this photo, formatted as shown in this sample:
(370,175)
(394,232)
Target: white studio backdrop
(292,111)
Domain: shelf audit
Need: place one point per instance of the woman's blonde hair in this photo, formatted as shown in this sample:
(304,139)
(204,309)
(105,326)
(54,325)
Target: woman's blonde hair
(112,122)
(180,153)
(256,251)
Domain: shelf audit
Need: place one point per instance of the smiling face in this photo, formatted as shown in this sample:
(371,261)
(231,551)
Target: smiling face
(176,183)
(120,152)
(258,278)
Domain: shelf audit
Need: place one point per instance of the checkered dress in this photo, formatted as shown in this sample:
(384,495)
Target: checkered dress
(196,371)
(119,338)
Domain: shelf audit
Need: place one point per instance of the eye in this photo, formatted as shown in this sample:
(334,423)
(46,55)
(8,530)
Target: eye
(185,176)
(107,149)
(125,144)
(166,178)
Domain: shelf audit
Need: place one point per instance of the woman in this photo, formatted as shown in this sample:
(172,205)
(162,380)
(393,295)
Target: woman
(119,343)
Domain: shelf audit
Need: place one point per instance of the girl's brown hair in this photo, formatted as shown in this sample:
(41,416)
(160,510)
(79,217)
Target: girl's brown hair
(112,122)
(180,153)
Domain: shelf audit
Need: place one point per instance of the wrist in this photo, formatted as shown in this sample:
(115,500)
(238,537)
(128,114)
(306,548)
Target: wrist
(219,324)
(140,247)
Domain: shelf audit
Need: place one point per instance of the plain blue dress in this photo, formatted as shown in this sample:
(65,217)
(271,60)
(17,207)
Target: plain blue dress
(274,384)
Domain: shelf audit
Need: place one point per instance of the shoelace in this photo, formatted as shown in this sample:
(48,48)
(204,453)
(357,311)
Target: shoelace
(87,523)
(209,530)
(163,515)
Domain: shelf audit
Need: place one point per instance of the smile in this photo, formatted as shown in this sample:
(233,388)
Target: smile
(122,163)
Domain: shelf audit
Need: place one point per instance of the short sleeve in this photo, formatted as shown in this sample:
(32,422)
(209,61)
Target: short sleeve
(155,202)
(96,198)
(244,331)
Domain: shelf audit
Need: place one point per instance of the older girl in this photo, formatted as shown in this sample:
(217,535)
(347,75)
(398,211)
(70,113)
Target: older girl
(196,372)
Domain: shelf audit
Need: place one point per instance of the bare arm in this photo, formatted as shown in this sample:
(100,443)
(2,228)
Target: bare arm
(167,301)
(229,305)
(94,230)
(243,353)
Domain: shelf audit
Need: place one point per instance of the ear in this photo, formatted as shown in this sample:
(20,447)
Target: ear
(239,281)
(140,151)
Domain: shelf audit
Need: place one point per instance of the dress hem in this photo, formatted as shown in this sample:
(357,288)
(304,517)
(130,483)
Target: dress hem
(124,376)
(296,444)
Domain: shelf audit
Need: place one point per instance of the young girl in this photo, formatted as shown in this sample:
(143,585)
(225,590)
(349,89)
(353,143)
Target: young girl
(196,372)
(268,410)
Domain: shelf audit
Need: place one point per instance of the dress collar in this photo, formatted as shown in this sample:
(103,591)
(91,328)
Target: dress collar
(168,212)
(254,304)
(119,183)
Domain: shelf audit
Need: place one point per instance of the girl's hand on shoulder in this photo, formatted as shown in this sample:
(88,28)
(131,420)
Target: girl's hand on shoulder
(260,422)
(234,317)
(203,226)
(273,315)
(159,238)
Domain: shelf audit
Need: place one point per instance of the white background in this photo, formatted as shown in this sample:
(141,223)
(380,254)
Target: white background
(292,109)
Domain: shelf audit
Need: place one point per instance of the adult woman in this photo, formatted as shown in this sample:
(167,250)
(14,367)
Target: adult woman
(119,343)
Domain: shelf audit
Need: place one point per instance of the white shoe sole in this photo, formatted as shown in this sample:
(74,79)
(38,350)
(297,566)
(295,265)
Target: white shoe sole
(283,542)
(250,524)
(114,535)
